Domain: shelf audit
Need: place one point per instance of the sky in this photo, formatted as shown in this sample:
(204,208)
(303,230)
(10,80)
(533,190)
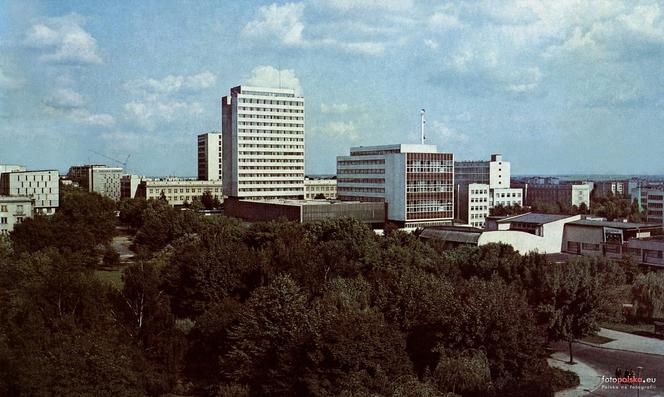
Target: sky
(557,87)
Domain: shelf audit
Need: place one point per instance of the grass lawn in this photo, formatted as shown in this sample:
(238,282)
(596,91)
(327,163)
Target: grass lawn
(562,379)
(636,329)
(597,340)
(111,276)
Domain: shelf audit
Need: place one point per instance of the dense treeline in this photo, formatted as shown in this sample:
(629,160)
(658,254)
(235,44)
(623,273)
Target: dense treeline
(217,308)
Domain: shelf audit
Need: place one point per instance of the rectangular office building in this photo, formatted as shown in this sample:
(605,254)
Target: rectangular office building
(414,180)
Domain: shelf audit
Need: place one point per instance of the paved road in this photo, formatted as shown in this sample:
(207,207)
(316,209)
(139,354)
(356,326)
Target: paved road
(605,362)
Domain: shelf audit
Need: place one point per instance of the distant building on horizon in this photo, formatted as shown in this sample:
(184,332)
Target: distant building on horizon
(568,194)
(263,143)
(210,164)
(98,178)
(416,182)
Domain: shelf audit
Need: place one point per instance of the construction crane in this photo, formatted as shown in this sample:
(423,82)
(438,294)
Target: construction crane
(122,163)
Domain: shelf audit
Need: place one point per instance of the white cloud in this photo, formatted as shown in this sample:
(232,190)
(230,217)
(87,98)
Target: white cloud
(284,22)
(441,20)
(269,76)
(341,129)
(63,40)
(524,80)
(65,102)
(83,116)
(151,112)
(446,135)
(65,98)
(334,108)
(432,44)
(9,82)
(364,5)
(280,21)
(172,84)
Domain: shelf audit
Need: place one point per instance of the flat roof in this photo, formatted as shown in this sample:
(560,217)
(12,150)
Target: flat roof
(649,244)
(456,234)
(616,225)
(9,199)
(309,202)
(402,147)
(535,218)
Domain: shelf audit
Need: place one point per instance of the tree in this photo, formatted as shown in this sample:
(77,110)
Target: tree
(571,302)
(131,212)
(319,196)
(269,342)
(465,373)
(86,219)
(648,294)
(209,201)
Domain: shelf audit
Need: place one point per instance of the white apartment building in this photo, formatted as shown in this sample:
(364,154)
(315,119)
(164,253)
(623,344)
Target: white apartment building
(13,210)
(482,185)
(210,165)
(416,182)
(316,186)
(178,191)
(479,203)
(42,186)
(263,143)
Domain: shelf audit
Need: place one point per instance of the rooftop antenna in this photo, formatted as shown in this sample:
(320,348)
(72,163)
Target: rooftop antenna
(423,121)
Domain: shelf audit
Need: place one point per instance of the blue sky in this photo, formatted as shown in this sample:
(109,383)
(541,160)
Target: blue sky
(556,86)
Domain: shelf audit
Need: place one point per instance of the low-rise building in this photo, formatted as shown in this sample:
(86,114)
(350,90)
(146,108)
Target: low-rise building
(317,186)
(600,237)
(13,210)
(372,213)
(42,186)
(178,191)
(569,194)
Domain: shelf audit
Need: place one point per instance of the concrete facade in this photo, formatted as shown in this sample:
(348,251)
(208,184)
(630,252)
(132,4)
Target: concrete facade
(210,160)
(129,186)
(652,202)
(314,186)
(564,193)
(416,182)
(263,143)
(178,191)
(98,178)
(13,210)
(530,232)
(301,211)
(42,186)
(479,182)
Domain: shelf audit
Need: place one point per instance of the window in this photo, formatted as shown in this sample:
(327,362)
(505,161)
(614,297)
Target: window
(3,208)
(3,220)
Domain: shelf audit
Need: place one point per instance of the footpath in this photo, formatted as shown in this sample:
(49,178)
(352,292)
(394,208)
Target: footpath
(629,342)
(589,378)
